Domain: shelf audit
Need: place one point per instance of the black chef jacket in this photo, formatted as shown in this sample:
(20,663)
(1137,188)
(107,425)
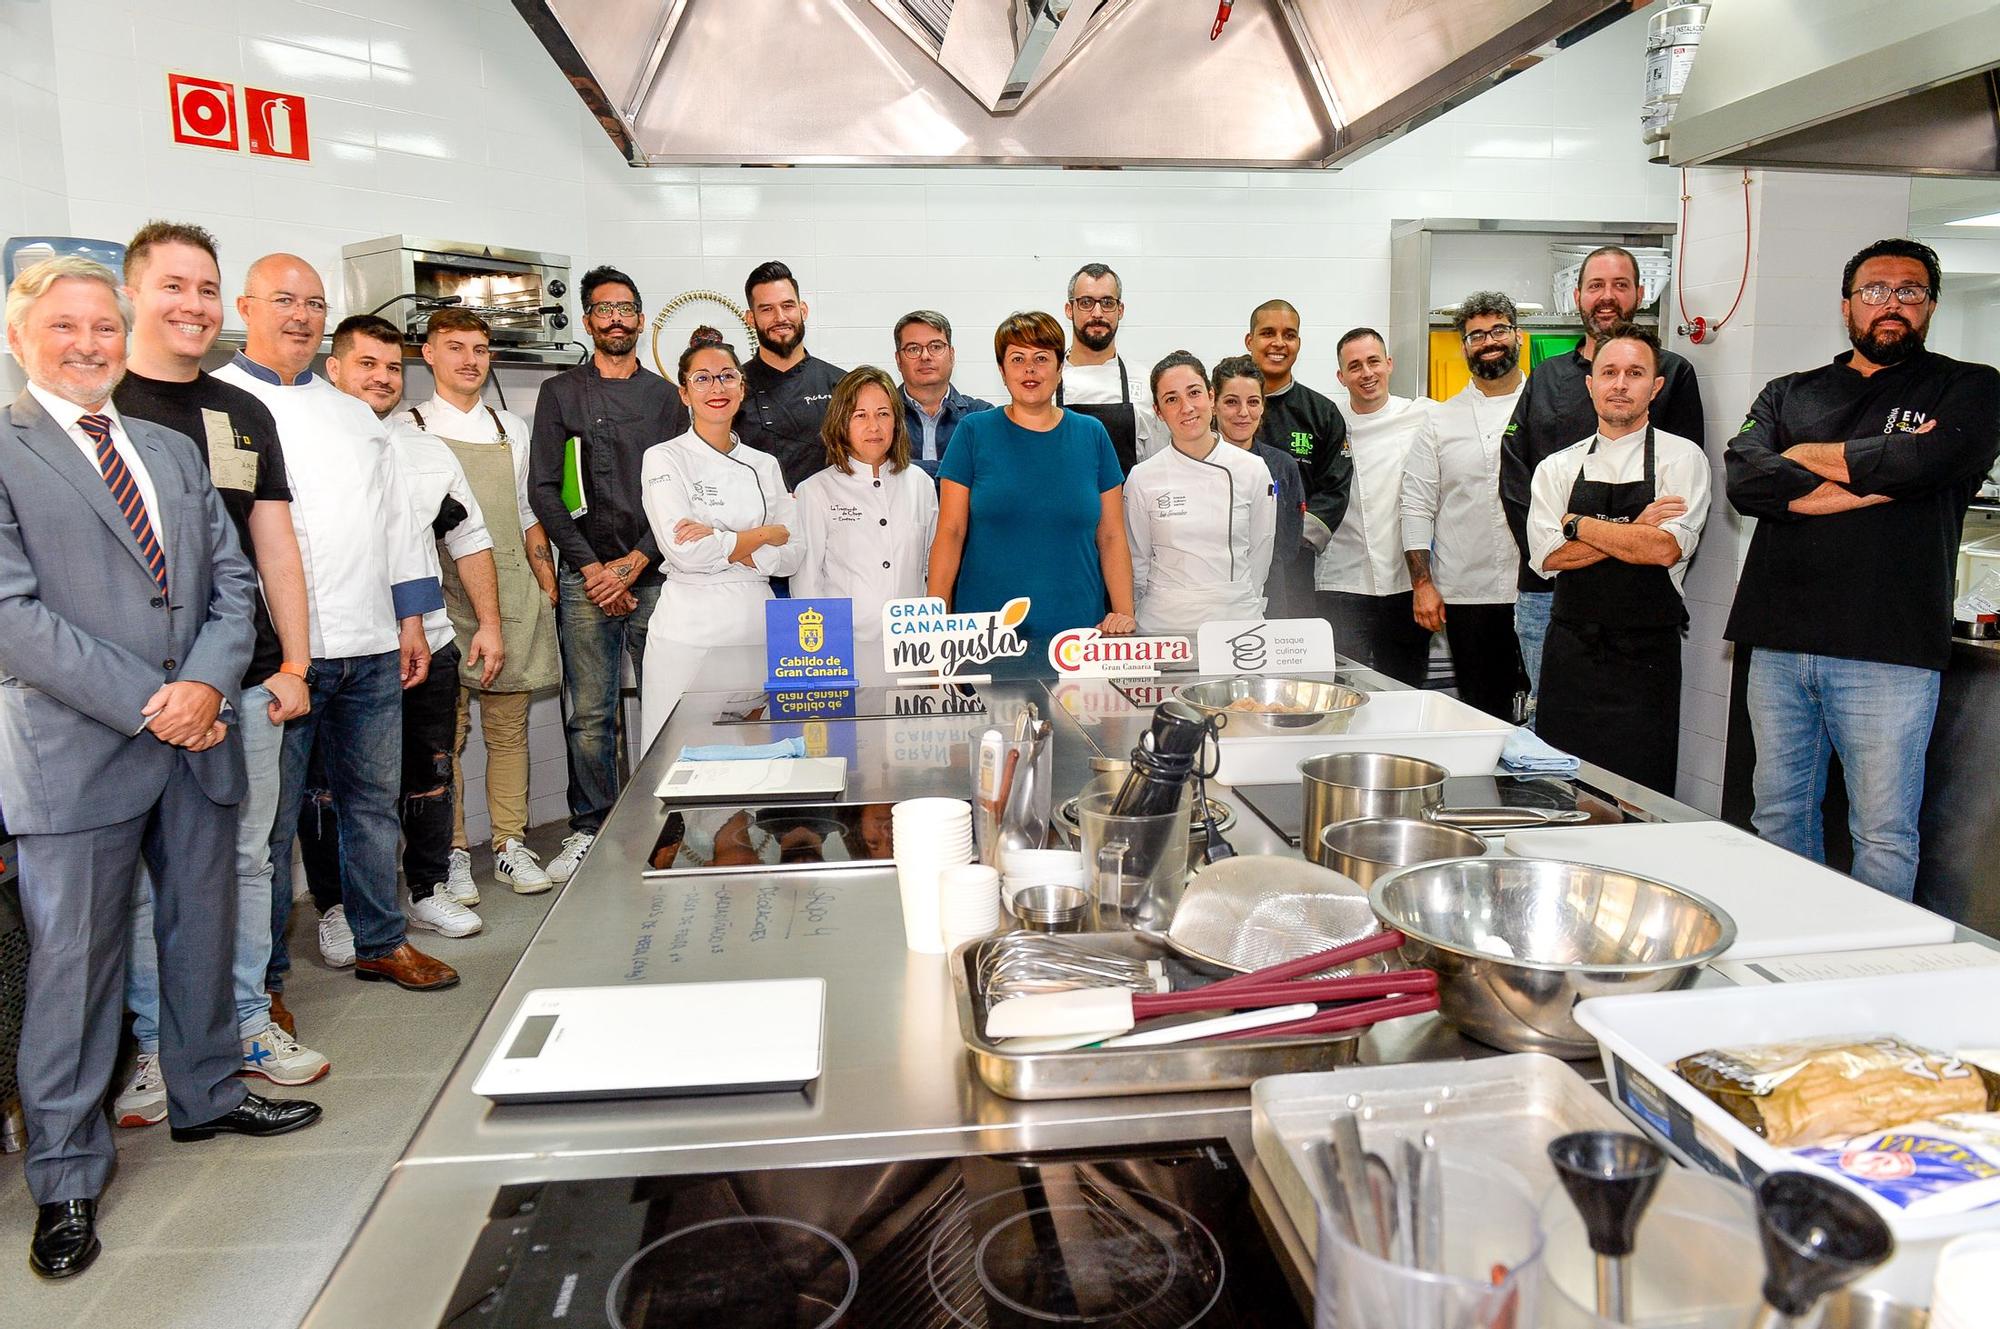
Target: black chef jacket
(617,419)
(782,411)
(1310,429)
(1554,411)
(1875,583)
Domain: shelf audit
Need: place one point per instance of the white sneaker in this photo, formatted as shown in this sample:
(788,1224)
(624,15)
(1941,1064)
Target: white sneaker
(458,881)
(336,939)
(143,1100)
(516,865)
(282,1059)
(438,912)
(564,865)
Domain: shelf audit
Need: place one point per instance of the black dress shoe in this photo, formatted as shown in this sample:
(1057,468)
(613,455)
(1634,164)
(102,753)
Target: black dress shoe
(255,1115)
(65,1238)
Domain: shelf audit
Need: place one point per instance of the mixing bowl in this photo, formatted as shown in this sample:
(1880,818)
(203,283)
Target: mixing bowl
(1310,706)
(1517,942)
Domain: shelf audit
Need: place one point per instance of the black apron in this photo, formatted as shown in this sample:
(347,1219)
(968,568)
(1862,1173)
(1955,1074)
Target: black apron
(1118,419)
(1611,671)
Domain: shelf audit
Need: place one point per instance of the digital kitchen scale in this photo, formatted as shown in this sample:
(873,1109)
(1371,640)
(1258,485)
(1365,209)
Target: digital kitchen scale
(658,1039)
(754,777)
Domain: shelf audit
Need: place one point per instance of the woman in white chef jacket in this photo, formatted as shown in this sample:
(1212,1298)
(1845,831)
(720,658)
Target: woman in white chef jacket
(868,518)
(1200,514)
(724,524)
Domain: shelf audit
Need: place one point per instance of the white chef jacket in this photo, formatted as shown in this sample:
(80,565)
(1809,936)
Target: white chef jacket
(1201,533)
(1679,469)
(66,413)
(1097,385)
(431,473)
(867,536)
(476,426)
(1451,498)
(358,538)
(1365,556)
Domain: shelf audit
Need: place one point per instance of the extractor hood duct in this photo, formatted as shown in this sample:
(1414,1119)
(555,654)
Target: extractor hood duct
(1033,82)
(1902,87)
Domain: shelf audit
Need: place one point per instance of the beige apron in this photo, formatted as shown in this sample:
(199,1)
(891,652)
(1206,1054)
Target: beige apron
(527,620)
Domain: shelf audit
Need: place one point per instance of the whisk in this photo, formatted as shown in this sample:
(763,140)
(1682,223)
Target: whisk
(1020,964)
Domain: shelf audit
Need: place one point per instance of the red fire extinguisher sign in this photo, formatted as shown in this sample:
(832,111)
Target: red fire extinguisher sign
(275,124)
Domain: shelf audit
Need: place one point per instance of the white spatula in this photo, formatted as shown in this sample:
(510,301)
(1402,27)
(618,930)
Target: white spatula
(1117,1010)
(1177,1033)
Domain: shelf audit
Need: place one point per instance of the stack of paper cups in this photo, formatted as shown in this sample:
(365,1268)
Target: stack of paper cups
(931,834)
(968,902)
(1966,1287)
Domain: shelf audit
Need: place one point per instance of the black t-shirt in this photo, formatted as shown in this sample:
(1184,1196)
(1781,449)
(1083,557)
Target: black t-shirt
(1874,583)
(1311,430)
(1555,411)
(782,410)
(236,436)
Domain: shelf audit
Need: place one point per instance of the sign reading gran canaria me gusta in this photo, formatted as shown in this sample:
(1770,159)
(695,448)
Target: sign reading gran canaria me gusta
(809,644)
(922,636)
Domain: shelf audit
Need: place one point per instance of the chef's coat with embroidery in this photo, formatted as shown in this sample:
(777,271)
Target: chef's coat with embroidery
(1365,555)
(1679,470)
(1200,532)
(1451,498)
(867,536)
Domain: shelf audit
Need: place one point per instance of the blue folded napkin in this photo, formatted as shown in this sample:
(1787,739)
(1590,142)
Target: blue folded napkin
(784,747)
(1526,754)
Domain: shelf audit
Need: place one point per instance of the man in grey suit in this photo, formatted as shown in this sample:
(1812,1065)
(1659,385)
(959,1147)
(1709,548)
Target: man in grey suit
(125,628)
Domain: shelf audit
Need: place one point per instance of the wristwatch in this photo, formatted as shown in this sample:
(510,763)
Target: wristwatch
(1569,527)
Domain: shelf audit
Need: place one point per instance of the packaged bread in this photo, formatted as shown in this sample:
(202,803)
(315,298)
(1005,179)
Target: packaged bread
(1811,1092)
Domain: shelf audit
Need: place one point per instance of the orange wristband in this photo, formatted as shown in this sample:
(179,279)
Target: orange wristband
(293,668)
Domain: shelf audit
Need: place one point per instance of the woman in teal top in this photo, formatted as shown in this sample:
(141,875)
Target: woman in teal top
(1030,501)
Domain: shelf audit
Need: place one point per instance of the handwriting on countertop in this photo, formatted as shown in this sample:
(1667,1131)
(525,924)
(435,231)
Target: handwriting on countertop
(697,918)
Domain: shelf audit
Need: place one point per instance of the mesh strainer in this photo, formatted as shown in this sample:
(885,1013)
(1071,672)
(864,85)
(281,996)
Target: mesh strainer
(1257,910)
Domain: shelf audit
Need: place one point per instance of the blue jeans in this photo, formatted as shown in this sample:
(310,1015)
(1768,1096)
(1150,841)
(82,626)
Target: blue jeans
(262,742)
(1531,627)
(591,643)
(1878,718)
(356,721)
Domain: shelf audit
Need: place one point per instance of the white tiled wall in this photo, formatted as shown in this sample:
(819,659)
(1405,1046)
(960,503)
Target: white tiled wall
(34,199)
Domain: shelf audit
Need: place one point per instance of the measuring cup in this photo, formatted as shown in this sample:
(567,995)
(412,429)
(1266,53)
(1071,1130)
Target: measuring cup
(1137,866)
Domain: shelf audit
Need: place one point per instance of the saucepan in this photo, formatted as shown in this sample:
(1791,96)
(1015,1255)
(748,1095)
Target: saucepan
(1348,786)
(1376,846)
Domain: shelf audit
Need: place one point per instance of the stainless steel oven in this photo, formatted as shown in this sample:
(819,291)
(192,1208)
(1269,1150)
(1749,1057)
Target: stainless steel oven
(519,292)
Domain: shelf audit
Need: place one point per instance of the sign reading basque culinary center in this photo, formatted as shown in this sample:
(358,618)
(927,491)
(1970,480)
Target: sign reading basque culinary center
(922,636)
(1088,653)
(1267,646)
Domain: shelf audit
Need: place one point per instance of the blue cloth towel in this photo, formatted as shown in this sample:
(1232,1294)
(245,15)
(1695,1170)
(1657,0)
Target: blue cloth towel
(1526,754)
(784,747)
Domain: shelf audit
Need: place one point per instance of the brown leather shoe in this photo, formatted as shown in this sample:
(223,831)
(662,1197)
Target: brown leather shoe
(280,1016)
(407,967)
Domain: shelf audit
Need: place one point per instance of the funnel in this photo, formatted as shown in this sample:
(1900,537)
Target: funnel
(1818,1236)
(1610,1177)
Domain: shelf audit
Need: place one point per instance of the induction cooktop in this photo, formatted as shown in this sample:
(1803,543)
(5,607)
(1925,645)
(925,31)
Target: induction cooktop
(1151,1237)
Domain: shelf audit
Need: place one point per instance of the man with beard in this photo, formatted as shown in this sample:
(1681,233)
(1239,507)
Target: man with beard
(593,425)
(366,362)
(1095,381)
(785,390)
(1302,424)
(1455,539)
(1555,411)
(1859,473)
(1614,519)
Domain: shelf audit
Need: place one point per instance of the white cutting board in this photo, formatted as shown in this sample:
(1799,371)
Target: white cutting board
(1783,904)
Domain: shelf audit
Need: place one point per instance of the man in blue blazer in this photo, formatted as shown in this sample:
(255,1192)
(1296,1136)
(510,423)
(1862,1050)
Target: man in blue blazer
(125,628)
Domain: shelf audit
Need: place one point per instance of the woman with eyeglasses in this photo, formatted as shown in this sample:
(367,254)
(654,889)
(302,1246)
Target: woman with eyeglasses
(724,524)
(868,518)
(1030,501)
(1200,514)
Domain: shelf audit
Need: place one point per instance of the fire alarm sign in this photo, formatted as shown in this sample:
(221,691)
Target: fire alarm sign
(204,111)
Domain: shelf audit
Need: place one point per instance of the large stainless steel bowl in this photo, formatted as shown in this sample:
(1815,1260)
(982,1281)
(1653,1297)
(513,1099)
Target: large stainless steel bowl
(1517,942)
(1315,707)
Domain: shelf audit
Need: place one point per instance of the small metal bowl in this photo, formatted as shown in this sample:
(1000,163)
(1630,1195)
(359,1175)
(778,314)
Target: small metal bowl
(1323,708)
(1050,908)
(1370,848)
(1517,942)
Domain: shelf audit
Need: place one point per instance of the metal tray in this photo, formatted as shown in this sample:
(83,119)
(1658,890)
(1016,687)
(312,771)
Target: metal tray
(1505,1109)
(1174,1068)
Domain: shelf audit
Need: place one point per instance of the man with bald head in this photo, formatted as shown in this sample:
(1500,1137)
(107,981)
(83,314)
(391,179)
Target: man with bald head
(1306,427)
(370,587)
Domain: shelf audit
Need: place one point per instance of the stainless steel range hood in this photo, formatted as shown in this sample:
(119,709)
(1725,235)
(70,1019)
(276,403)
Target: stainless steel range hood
(1903,87)
(1041,82)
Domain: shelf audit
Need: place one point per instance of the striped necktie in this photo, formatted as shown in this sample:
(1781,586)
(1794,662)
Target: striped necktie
(125,493)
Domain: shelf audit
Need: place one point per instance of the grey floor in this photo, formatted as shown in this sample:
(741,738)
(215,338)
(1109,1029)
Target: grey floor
(243,1232)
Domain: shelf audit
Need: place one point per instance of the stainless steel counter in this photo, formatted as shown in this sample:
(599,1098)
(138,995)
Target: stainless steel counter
(896,1082)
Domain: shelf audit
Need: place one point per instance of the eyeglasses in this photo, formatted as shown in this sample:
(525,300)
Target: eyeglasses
(606,308)
(1087,303)
(1484,335)
(285,304)
(725,379)
(1878,293)
(918,349)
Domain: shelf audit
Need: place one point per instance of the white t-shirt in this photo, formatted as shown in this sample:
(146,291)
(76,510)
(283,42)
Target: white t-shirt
(1365,556)
(1679,469)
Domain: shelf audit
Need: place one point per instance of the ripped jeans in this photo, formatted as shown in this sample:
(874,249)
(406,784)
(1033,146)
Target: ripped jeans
(424,807)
